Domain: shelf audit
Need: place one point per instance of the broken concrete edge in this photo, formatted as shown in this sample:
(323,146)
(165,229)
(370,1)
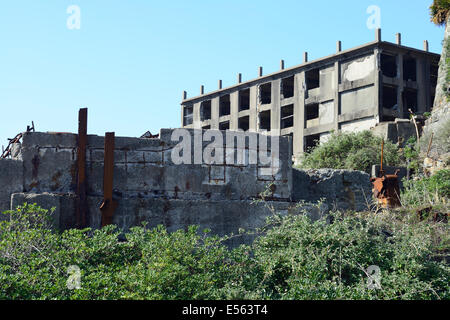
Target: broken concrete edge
(223,218)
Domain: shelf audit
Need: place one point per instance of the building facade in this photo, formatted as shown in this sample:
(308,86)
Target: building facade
(351,90)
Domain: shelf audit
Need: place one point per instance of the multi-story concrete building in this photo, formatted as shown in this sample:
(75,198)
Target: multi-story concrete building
(350,90)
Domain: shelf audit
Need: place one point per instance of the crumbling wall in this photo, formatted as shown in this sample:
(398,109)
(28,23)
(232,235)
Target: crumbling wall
(11,181)
(340,189)
(144,168)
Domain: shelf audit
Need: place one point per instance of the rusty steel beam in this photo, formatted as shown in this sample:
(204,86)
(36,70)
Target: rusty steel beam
(108,205)
(81,208)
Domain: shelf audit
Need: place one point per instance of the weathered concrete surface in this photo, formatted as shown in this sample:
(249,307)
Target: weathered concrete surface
(11,181)
(340,189)
(398,131)
(222,218)
(348,86)
(144,167)
(63,205)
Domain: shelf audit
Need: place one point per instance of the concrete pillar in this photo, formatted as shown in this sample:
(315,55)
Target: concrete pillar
(253,126)
(398,39)
(305,57)
(378,35)
(282,64)
(239,77)
(378,86)
(260,71)
(299,113)
(182,116)
(202,89)
(401,86)
(422,82)
(234,110)
(335,86)
(220,84)
(196,116)
(275,116)
(338,46)
(426,46)
(215,113)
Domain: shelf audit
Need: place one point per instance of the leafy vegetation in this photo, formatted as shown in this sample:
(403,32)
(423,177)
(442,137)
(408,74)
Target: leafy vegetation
(294,259)
(354,151)
(434,190)
(440,10)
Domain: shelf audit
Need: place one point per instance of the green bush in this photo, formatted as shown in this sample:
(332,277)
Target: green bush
(294,259)
(355,151)
(434,190)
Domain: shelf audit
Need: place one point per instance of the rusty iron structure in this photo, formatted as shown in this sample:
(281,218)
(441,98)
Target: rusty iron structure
(82,207)
(385,187)
(7,152)
(109,205)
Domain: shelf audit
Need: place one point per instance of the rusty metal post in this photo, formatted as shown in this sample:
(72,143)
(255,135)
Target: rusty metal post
(81,208)
(108,205)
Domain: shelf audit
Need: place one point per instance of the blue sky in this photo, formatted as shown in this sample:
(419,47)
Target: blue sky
(130,60)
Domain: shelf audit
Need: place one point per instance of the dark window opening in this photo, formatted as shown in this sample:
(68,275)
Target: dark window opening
(206,127)
(390,97)
(244,99)
(434,75)
(311,142)
(188,115)
(224,125)
(265,93)
(409,69)
(244,123)
(205,110)
(389,65)
(224,105)
(287,87)
(312,111)
(409,101)
(264,120)
(312,79)
(287,116)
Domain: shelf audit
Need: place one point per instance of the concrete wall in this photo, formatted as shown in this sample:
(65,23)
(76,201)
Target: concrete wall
(11,181)
(149,187)
(340,189)
(144,168)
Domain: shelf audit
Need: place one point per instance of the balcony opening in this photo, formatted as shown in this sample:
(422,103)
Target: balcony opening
(224,105)
(224,125)
(287,116)
(264,120)
(434,68)
(265,93)
(287,87)
(312,79)
(390,98)
(409,101)
(188,115)
(244,123)
(312,111)
(409,69)
(389,65)
(205,110)
(244,99)
(311,142)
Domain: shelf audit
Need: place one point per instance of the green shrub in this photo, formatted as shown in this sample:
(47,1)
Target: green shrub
(355,151)
(434,190)
(294,259)
(300,259)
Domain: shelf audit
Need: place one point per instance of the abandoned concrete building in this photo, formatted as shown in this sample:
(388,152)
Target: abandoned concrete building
(351,90)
